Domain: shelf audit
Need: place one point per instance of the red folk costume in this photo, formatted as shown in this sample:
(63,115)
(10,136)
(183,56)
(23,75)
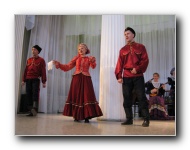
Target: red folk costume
(81,102)
(132,55)
(35,68)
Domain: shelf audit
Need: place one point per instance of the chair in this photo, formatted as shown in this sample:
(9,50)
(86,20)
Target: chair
(169,103)
(135,106)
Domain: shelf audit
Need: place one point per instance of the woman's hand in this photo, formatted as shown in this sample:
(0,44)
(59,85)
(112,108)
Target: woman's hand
(56,63)
(92,59)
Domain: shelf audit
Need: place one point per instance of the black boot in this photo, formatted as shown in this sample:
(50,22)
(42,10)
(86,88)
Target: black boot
(129,121)
(129,116)
(146,123)
(146,117)
(86,120)
(30,114)
(34,110)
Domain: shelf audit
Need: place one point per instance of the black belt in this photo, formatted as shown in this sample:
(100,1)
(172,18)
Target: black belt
(128,69)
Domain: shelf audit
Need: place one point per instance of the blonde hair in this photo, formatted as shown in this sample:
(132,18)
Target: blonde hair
(87,50)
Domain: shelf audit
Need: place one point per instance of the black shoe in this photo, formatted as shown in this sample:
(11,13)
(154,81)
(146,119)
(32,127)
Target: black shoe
(86,121)
(76,120)
(34,112)
(30,114)
(127,122)
(146,123)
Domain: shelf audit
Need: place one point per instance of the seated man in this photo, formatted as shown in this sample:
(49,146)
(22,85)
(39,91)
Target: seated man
(171,82)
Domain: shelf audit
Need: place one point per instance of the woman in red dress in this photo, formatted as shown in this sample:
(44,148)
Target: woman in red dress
(81,103)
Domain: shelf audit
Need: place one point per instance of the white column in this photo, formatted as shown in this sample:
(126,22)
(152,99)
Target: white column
(112,40)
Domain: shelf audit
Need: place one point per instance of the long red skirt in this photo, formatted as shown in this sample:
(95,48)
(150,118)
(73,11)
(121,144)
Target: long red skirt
(81,102)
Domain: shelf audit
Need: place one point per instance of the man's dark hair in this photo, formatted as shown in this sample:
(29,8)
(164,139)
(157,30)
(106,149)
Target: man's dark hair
(130,29)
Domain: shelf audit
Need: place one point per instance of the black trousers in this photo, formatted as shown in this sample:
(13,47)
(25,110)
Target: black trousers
(32,91)
(131,86)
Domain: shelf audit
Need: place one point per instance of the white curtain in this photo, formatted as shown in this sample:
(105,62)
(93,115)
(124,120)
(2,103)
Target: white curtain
(19,35)
(112,39)
(59,36)
(157,33)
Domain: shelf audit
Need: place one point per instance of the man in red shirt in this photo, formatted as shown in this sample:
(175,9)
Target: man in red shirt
(132,63)
(35,68)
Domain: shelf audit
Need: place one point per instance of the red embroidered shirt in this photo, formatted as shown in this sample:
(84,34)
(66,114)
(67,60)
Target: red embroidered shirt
(35,68)
(132,55)
(82,65)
